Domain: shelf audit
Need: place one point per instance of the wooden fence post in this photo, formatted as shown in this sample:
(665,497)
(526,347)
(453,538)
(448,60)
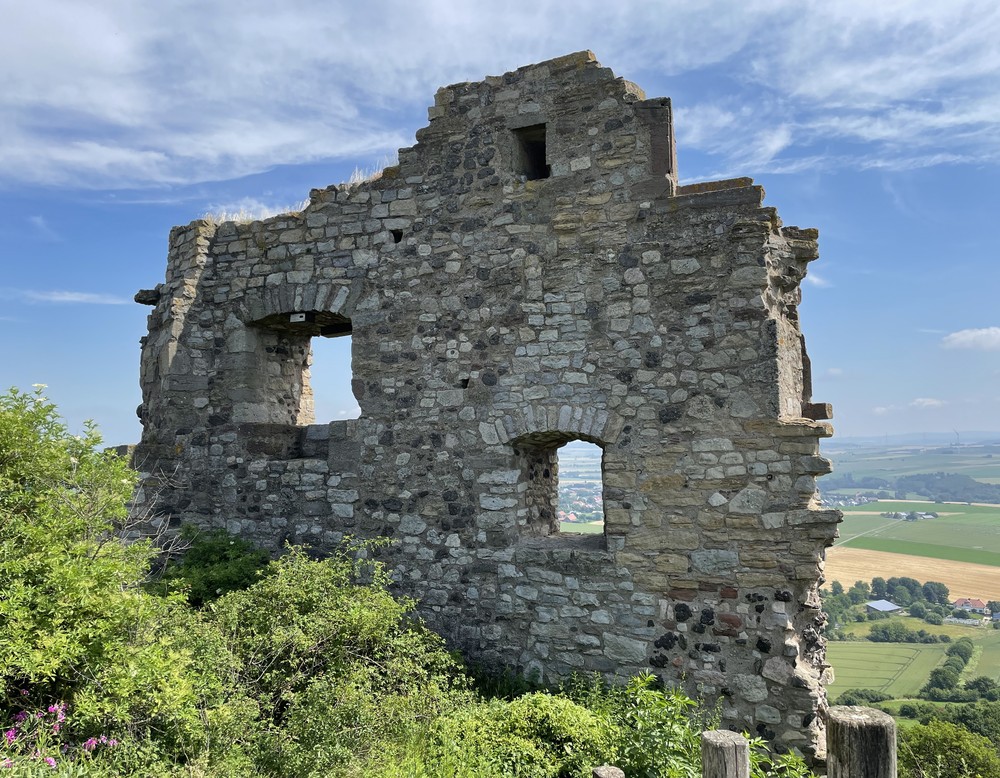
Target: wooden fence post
(724,754)
(860,743)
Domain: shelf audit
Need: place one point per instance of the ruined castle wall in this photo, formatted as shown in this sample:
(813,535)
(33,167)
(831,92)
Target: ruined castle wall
(529,274)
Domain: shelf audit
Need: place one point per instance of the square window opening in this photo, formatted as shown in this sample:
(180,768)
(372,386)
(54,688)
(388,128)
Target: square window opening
(530,153)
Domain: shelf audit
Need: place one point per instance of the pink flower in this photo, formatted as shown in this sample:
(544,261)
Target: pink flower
(11,735)
(50,762)
(20,716)
(89,744)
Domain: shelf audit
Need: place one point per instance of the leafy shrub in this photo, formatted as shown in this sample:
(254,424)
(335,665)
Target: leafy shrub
(215,563)
(538,735)
(963,648)
(943,750)
(861,697)
(67,591)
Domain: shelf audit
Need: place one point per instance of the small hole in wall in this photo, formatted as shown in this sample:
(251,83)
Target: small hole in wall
(464,383)
(397,235)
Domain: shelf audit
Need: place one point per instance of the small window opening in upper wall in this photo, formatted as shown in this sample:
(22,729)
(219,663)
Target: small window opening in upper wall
(530,153)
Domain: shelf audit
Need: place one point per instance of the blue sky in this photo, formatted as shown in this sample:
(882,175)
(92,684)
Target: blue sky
(877,122)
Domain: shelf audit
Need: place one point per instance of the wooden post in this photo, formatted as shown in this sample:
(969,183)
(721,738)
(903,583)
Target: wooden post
(860,743)
(724,754)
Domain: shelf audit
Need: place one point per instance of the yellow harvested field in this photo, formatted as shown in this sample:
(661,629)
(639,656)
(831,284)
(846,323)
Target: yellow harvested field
(848,565)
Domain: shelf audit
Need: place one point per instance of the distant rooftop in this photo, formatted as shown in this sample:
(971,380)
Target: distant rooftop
(883,606)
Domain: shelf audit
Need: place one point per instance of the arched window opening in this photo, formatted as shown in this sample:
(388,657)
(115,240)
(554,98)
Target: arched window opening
(580,486)
(562,486)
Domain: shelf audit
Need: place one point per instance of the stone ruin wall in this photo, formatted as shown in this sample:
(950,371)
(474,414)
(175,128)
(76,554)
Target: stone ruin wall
(530,273)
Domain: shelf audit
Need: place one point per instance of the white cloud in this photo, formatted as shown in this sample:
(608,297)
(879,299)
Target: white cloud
(816,279)
(882,410)
(927,402)
(984,339)
(115,93)
(833,372)
(57,296)
(250,208)
(42,228)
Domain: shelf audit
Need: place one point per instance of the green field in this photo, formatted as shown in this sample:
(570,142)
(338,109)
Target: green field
(931,550)
(899,669)
(581,527)
(979,462)
(954,631)
(968,533)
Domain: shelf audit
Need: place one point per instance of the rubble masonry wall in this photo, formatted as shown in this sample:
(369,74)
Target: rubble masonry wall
(530,273)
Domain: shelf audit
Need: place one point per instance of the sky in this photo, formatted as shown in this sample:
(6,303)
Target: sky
(876,122)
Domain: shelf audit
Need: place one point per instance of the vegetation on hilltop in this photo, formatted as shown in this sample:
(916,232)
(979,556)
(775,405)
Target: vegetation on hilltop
(230,667)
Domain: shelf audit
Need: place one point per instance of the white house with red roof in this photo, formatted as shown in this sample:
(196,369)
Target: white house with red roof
(971,605)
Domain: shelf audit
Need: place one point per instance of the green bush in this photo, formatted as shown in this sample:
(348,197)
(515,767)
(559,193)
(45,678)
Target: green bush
(68,589)
(214,563)
(538,735)
(943,750)
(861,697)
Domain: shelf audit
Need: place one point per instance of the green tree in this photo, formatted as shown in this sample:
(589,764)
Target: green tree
(943,750)
(936,592)
(901,596)
(942,678)
(67,590)
(962,647)
(879,588)
(858,593)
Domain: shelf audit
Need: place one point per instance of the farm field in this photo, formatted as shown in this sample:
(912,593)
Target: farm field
(848,565)
(581,527)
(981,462)
(966,534)
(899,669)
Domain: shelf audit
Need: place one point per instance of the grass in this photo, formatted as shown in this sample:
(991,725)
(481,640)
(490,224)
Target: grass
(246,214)
(860,629)
(582,527)
(955,554)
(898,669)
(963,533)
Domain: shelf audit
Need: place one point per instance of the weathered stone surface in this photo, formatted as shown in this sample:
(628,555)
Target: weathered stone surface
(528,274)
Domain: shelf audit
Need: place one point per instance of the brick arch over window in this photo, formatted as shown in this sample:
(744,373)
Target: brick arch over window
(270,342)
(268,303)
(539,433)
(563,423)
